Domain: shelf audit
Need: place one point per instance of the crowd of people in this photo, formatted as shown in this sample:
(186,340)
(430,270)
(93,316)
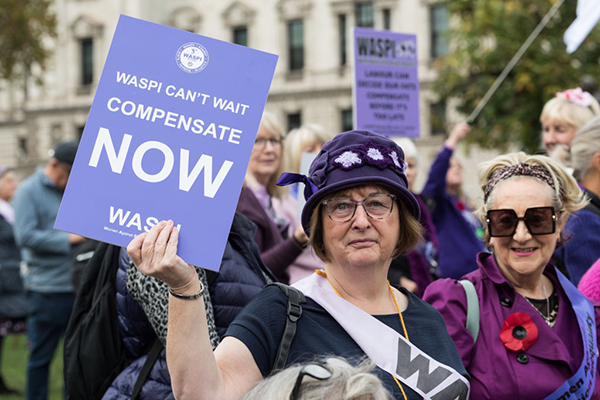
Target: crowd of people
(394,294)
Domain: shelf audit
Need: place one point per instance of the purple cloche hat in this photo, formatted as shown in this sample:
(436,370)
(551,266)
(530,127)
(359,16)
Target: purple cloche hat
(350,159)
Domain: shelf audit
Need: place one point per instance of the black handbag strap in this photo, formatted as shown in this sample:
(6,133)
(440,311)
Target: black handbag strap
(294,312)
(155,350)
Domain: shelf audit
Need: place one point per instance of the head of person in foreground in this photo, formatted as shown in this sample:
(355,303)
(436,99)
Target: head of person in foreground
(330,378)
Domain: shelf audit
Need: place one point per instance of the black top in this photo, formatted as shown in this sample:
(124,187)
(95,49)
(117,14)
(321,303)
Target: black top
(260,327)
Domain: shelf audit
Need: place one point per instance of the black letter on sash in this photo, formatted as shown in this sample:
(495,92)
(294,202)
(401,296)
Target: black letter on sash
(457,390)
(426,381)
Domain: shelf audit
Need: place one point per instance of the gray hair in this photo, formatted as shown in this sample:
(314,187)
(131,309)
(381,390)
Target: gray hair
(346,383)
(409,148)
(585,144)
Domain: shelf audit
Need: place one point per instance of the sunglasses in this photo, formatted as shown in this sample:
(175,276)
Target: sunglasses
(538,220)
(316,371)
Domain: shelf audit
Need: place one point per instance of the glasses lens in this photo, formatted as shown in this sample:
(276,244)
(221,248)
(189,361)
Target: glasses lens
(379,205)
(540,221)
(262,142)
(340,209)
(317,371)
(502,222)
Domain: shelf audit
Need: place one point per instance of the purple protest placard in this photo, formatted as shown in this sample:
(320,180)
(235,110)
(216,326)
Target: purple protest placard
(386,86)
(169,136)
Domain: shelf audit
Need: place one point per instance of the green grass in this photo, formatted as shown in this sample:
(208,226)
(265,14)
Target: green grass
(14,364)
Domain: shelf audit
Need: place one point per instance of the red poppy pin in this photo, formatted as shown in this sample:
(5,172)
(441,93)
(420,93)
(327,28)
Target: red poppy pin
(518,332)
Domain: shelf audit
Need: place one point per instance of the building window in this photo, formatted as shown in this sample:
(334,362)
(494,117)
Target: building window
(342,33)
(294,120)
(347,120)
(387,19)
(439,27)
(437,113)
(296,44)
(23,147)
(87,61)
(240,35)
(364,15)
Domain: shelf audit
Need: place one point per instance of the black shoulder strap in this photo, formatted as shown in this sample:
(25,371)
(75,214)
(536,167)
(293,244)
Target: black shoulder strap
(148,364)
(294,312)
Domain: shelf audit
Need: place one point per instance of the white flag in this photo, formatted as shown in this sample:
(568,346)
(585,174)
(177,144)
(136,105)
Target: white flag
(588,14)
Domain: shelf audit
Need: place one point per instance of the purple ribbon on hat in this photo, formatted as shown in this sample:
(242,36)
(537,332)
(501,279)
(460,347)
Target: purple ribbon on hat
(287,178)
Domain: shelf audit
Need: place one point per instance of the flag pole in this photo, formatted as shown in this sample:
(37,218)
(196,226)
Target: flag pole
(514,61)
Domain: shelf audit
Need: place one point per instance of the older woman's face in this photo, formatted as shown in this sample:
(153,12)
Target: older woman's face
(362,241)
(454,176)
(554,133)
(266,155)
(523,254)
(411,171)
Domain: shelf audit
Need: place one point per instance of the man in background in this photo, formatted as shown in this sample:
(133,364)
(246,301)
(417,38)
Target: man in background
(47,254)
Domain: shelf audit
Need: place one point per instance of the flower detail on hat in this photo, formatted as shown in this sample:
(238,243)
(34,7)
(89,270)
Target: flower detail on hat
(518,332)
(394,157)
(369,153)
(348,159)
(375,154)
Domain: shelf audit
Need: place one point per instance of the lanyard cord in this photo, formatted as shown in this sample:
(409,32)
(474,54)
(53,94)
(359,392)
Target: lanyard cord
(324,274)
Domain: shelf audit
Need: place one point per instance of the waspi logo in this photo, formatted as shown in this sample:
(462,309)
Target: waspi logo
(192,57)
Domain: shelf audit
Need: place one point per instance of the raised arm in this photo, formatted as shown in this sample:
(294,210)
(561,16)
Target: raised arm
(196,372)
(436,181)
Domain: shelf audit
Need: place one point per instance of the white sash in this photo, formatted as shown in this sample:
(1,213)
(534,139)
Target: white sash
(388,349)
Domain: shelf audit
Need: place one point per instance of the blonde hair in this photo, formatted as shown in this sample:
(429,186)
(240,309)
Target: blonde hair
(347,382)
(270,122)
(297,138)
(585,144)
(563,110)
(411,229)
(567,197)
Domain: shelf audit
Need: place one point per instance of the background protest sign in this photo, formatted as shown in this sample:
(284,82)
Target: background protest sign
(386,85)
(169,136)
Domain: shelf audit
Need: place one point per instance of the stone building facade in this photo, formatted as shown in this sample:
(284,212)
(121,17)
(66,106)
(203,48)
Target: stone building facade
(312,82)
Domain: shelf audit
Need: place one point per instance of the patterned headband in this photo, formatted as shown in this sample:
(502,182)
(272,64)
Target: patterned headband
(521,169)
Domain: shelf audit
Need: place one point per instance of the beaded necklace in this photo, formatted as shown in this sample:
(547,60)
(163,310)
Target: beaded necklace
(324,274)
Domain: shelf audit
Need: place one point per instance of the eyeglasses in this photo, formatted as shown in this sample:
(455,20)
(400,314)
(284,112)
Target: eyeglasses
(538,220)
(316,371)
(260,143)
(377,206)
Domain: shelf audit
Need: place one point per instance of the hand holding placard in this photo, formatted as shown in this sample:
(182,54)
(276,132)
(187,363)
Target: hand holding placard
(155,254)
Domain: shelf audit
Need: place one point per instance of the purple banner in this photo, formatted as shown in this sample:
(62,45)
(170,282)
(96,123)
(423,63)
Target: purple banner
(386,87)
(169,136)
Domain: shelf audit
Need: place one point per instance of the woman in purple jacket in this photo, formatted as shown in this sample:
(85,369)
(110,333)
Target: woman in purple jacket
(456,226)
(536,335)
